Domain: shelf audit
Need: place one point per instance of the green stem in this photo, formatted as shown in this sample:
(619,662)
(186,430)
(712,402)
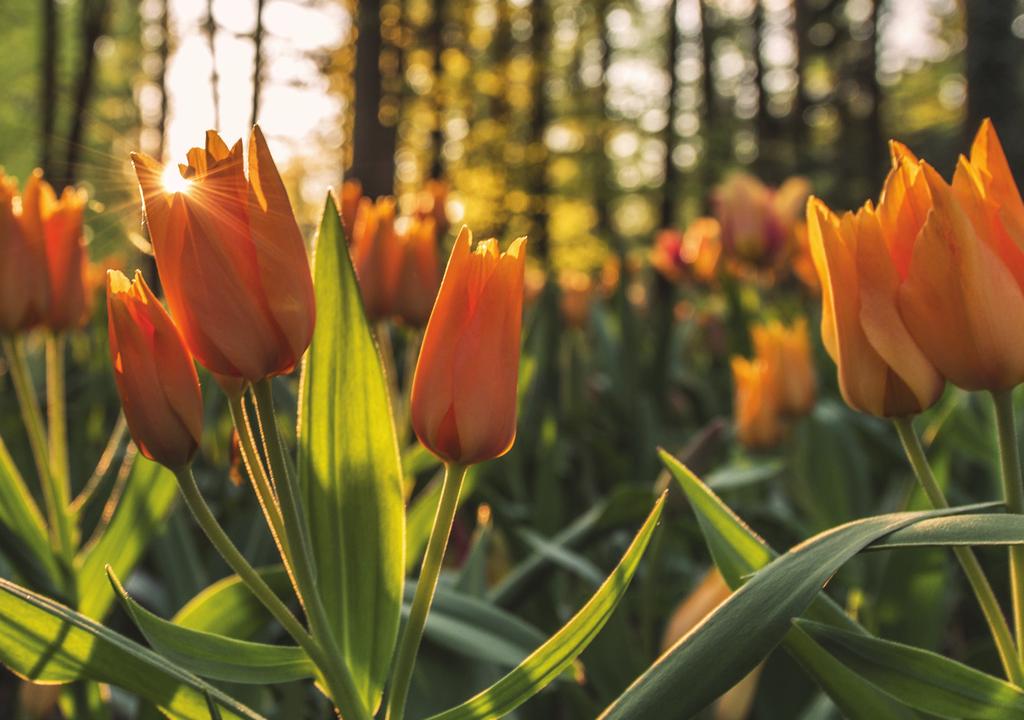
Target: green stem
(1013,491)
(56,417)
(346,696)
(28,401)
(237,562)
(408,645)
(968,560)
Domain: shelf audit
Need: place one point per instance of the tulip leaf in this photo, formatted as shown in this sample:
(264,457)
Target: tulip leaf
(975,529)
(920,678)
(23,535)
(350,470)
(47,642)
(213,655)
(228,607)
(549,660)
(756,617)
(149,495)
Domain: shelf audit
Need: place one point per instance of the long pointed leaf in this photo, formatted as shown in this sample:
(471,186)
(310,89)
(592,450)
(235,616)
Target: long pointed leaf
(44,641)
(990,529)
(558,653)
(350,471)
(22,526)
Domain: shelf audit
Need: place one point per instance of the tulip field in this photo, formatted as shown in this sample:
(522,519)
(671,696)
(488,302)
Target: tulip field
(529,359)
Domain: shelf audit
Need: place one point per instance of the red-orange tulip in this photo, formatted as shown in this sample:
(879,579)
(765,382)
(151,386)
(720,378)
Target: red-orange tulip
(351,194)
(667,255)
(23,278)
(419,271)
(56,224)
(375,256)
(155,375)
(464,389)
(231,258)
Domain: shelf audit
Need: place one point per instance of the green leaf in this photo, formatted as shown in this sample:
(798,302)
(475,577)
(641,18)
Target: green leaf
(754,619)
(350,471)
(216,656)
(47,642)
(23,534)
(228,607)
(148,498)
(558,653)
(989,529)
(921,679)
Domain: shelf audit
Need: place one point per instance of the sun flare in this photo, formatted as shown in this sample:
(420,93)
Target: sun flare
(172,180)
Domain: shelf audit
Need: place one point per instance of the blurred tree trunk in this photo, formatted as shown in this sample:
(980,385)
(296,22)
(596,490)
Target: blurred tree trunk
(93,25)
(210,30)
(257,64)
(437,134)
(373,158)
(798,118)
(540,53)
(670,188)
(993,90)
(710,158)
(48,85)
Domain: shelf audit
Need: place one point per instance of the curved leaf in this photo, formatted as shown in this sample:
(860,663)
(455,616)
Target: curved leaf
(148,498)
(228,607)
(990,529)
(558,653)
(47,642)
(24,535)
(216,656)
(921,679)
(349,469)
(753,620)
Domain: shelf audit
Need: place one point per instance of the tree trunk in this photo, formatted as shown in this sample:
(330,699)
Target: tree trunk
(373,157)
(539,123)
(437,134)
(210,29)
(993,55)
(257,64)
(48,85)
(670,188)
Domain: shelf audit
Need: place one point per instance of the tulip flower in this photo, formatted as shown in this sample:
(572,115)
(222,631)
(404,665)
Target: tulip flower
(702,248)
(756,410)
(666,255)
(419,271)
(789,350)
(375,256)
(576,292)
(231,258)
(882,370)
(464,387)
(56,225)
(430,202)
(23,277)
(154,373)
(351,194)
(757,221)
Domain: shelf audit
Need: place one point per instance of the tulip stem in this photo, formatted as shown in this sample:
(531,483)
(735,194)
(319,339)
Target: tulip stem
(60,529)
(256,584)
(1013,491)
(56,418)
(412,634)
(345,694)
(968,560)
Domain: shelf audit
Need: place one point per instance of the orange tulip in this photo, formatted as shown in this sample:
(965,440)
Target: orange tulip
(56,224)
(756,402)
(882,370)
(464,388)
(231,258)
(23,278)
(419,271)
(702,248)
(576,292)
(788,350)
(960,251)
(154,372)
(351,193)
(666,255)
(431,201)
(758,221)
(375,256)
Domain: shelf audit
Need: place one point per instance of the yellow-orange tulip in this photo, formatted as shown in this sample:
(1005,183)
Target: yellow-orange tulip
(155,375)
(23,276)
(419,271)
(882,370)
(962,264)
(464,388)
(788,350)
(375,256)
(56,224)
(351,194)
(702,248)
(231,258)
(756,410)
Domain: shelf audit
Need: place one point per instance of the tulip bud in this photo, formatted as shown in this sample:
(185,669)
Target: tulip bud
(56,224)
(23,279)
(788,349)
(464,388)
(154,372)
(666,255)
(419,271)
(231,258)
(576,292)
(758,221)
(702,248)
(756,408)
(882,370)
(351,193)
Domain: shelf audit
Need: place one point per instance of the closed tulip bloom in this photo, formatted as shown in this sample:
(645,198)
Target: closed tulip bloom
(419,271)
(351,194)
(882,370)
(576,291)
(464,388)
(756,410)
(23,277)
(231,258)
(375,255)
(702,248)
(56,224)
(789,350)
(154,372)
(667,256)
